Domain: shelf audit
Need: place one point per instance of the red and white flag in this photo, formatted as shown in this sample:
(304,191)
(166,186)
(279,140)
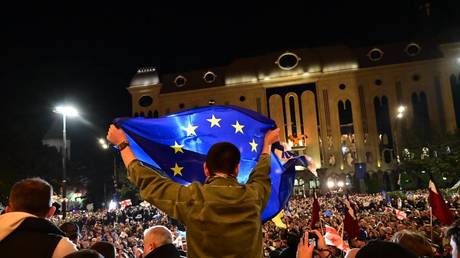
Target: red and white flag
(439,207)
(333,238)
(401,215)
(125,203)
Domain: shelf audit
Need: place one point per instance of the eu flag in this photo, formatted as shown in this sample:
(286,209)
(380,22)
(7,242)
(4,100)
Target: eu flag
(177,145)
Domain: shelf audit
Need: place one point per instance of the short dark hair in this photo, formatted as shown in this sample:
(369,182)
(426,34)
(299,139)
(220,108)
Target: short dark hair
(223,157)
(454,232)
(31,195)
(105,248)
(71,230)
(383,249)
(84,253)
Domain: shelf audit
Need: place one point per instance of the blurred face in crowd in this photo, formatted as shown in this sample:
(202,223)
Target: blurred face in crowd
(454,248)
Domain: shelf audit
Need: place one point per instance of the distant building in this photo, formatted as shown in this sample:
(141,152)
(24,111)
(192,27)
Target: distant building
(339,104)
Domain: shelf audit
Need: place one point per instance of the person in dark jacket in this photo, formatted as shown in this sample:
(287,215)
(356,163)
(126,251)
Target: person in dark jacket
(25,229)
(158,243)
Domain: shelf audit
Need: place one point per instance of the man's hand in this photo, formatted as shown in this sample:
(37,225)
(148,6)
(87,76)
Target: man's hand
(322,247)
(116,135)
(271,137)
(304,250)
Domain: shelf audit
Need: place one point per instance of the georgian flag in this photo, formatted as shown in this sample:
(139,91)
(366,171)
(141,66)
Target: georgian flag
(401,215)
(333,238)
(125,203)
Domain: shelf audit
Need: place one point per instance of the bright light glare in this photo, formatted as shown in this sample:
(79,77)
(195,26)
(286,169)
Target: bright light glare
(105,146)
(101,141)
(112,205)
(401,109)
(340,184)
(400,115)
(330,184)
(66,110)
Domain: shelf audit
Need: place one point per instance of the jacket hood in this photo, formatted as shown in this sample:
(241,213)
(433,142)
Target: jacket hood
(10,221)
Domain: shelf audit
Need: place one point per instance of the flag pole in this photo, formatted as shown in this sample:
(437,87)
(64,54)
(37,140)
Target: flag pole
(321,225)
(431,223)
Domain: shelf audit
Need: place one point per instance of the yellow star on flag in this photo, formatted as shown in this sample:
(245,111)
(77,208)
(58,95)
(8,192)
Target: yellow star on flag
(253,145)
(238,127)
(190,129)
(214,121)
(177,170)
(177,148)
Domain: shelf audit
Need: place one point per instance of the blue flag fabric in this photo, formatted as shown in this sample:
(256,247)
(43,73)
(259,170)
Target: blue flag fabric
(177,145)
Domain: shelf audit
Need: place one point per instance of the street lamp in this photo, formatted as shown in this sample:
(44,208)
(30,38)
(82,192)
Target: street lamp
(340,184)
(401,110)
(65,111)
(105,146)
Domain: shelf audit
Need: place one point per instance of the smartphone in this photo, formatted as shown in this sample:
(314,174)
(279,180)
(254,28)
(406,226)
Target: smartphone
(312,238)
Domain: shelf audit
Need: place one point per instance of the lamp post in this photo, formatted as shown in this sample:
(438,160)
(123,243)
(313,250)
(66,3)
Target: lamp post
(401,110)
(65,111)
(105,146)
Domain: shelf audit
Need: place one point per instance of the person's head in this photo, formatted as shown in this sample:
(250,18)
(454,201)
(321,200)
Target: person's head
(32,195)
(384,249)
(222,157)
(413,241)
(85,253)
(155,237)
(105,248)
(71,230)
(453,235)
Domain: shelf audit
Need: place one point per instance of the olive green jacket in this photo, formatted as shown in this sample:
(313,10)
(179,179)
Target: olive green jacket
(223,217)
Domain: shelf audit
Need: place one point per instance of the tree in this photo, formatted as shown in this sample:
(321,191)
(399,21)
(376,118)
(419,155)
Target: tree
(428,153)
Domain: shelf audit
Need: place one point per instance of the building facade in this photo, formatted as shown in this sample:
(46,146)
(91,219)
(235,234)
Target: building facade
(343,107)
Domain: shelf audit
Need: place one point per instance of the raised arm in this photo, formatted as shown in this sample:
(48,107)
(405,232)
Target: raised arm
(259,177)
(166,195)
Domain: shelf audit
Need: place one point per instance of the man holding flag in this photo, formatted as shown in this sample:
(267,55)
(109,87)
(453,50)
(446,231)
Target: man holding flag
(223,217)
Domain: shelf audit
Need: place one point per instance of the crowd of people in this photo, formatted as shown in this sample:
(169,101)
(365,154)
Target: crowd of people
(124,227)
(222,218)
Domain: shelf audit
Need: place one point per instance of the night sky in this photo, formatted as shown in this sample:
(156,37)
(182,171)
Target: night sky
(86,55)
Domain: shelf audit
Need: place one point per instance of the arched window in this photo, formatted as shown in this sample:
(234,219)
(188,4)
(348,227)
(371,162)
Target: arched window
(345,117)
(383,122)
(424,116)
(455,88)
(155,114)
(149,114)
(420,107)
(292,109)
